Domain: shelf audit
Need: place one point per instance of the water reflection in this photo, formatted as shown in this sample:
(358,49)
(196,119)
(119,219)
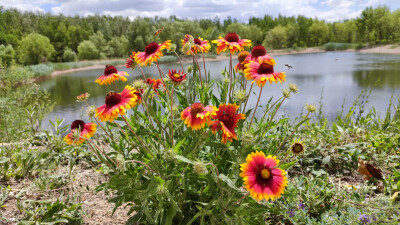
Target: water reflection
(340,75)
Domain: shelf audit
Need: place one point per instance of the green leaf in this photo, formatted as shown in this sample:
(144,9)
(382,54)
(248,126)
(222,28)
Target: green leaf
(228,181)
(215,145)
(4,160)
(326,160)
(183,159)
(170,214)
(287,165)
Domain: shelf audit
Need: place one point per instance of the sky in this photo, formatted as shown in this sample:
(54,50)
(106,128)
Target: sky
(330,10)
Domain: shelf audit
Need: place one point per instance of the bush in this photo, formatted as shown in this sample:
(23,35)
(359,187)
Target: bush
(34,49)
(7,55)
(69,55)
(41,69)
(359,46)
(87,50)
(332,46)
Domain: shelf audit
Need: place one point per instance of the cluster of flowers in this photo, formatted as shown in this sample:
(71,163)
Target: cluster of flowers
(261,175)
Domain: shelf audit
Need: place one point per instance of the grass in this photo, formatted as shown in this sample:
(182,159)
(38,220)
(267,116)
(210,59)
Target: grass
(333,46)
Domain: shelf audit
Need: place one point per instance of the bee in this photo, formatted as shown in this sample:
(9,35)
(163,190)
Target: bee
(158,31)
(288,66)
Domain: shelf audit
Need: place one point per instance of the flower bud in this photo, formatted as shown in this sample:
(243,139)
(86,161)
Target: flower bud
(186,47)
(247,137)
(138,84)
(311,108)
(172,48)
(240,95)
(160,190)
(169,154)
(286,93)
(91,111)
(226,80)
(293,88)
(200,168)
(189,69)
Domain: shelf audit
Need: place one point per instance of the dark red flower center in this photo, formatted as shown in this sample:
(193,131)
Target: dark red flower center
(77,124)
(297,148)
(258,50)
(197,41)
(265,68)
(227,120)
(242,56)
(196,108)
(112,99)
(232,37)
(110,69)
(151,48)
(263,176)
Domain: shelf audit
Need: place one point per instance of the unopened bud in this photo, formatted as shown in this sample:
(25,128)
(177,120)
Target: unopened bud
(186,47)
(189,69)
(138,84)
(200,168)
(293,88)
(311,108)
(286,93)
(240,95)
(160,190)
(172,48)
(169,154)
(226,80)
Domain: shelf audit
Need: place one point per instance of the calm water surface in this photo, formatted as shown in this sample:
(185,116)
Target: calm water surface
(337,75)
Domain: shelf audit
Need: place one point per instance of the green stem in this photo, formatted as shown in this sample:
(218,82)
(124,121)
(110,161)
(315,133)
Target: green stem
(255,109)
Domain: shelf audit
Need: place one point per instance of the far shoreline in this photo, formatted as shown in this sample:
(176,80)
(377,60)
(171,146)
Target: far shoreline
(384,49)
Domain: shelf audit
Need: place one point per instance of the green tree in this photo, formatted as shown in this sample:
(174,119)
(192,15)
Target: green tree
(319,32)
(98,40)
(277,37)
(34,49)
(87,50)
(251,32)
(69,55)
(7,55)
(117,47)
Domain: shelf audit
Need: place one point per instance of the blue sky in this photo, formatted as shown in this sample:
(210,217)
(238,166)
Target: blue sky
(330,10)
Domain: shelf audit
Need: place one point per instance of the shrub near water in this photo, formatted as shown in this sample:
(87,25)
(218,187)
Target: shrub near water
(180,154)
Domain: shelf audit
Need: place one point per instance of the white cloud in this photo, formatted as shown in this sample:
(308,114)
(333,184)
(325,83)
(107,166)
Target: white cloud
(330,10)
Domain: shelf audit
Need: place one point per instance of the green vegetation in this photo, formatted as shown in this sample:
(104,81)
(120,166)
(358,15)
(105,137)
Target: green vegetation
(56,37)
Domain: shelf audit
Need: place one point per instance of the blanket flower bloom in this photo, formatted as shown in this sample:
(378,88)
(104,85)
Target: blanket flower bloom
(226,120)
(111,74)
(231,42)
(196,115)
(130,62)
(117,104)
(152,52)
(199,45)
(261,177)
(85,131)
(262,71)
(259,52)
(242,60)
(176,77)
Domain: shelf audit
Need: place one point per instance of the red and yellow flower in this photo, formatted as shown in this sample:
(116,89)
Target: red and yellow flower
(176,77)
(261,177)
(199,45)
(117,104)
(130,62)
(84,130)
(111,74)
(231,42)
(242,60)
(83,97)
(196,115)
(155,83)
(152,52)
(226,120)
(262,71)
(259,52)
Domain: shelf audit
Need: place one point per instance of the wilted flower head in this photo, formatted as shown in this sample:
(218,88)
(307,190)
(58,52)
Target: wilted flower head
(311,108)
(297,147)
(200,168)
(247,137)
(83,97)
(130,62)
(286,93)
(293,88)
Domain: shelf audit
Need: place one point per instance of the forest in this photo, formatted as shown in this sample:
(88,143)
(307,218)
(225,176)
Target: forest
(33,37)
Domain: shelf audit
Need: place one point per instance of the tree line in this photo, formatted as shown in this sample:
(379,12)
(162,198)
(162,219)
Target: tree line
(35,37)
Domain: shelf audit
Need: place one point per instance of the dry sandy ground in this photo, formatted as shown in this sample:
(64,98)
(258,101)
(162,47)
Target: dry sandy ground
(96,209)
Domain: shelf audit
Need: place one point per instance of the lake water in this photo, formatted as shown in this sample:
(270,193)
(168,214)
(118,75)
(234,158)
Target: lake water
(337,75)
